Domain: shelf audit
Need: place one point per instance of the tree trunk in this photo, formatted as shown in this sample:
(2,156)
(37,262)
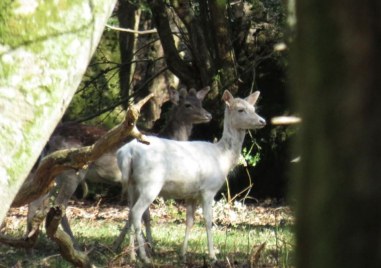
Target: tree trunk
(176,65)
(45,50)
(225,61)
(198,41)
(336,77)
(127,19)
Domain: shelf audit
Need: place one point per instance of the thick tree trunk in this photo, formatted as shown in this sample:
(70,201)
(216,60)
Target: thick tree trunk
(45,48)
(336,76)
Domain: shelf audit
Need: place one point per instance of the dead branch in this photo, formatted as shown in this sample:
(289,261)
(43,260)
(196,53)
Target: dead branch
(55,163)
(63,240)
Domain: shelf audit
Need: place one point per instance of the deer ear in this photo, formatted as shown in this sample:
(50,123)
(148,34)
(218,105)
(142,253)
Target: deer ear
(173,95)
(202,93)
(227,97)
(183,93)
(192,92)
(252,98)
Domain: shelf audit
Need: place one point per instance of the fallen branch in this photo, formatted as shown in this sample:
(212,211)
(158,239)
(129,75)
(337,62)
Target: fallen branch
(52,165)
(63,240)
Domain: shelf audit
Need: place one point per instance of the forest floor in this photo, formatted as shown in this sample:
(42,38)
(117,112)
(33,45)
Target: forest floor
(255,235)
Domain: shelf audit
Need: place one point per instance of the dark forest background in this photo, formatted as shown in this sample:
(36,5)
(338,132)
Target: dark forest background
(241,46)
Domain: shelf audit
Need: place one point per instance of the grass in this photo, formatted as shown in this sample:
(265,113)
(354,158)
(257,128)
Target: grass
(238,236)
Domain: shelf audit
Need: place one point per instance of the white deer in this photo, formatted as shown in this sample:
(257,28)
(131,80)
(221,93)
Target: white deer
(187,111)
(193,171)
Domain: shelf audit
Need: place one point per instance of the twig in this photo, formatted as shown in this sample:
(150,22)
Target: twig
(152,31)
(256,255)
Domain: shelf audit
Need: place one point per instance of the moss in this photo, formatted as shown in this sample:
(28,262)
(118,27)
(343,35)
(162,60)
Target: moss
(42,58)
(23,25)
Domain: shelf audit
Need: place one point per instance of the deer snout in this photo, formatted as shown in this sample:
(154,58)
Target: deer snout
(208,117)
(202,117)
(261,122)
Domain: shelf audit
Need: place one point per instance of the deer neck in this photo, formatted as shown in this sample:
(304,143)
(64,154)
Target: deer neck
(231,142)
(177,129)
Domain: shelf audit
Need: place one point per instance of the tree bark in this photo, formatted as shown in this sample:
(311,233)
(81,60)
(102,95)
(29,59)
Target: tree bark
(225,62)
(127,19)
(45,49)
(176,65)
(336,77)
(198,41)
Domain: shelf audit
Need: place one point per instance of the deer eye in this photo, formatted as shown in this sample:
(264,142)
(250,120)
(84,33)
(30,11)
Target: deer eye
(188,105)
(241,110)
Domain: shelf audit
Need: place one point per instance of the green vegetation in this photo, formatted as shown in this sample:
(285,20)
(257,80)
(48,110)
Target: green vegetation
(239,232)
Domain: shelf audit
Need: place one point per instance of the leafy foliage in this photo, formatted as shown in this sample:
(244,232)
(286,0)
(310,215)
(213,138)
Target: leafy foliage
(98,94)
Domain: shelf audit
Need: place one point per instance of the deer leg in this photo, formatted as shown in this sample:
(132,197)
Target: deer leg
(208,216)
(68,183)
(142,203)
(127,227)
(37,204)
(131,200)
(147,223)
(191,208)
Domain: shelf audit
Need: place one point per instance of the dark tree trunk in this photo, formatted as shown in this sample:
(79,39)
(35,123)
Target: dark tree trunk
(208,38)
(175,64)
(127,19)
(225,54)
(197,39)
(336,76)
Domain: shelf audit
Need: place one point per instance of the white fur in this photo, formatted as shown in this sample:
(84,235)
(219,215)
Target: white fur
(193,171)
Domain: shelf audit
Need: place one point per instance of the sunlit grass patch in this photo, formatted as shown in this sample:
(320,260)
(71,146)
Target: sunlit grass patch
(235,244)
(262,232)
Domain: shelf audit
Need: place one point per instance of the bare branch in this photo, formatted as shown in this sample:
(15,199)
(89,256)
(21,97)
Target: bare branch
(152,31)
